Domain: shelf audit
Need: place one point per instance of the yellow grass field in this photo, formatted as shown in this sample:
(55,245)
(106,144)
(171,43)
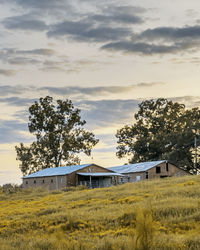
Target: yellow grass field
(160,214)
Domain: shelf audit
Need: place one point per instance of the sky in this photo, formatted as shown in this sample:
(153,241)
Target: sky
(105,56)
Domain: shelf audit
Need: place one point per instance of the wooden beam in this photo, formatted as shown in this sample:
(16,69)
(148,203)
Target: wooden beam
(90,181)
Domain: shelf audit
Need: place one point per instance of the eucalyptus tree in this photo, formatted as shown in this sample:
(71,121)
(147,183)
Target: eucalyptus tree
(59,136)
(162,129)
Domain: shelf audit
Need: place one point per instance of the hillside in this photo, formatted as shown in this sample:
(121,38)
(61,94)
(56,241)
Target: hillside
(161,214)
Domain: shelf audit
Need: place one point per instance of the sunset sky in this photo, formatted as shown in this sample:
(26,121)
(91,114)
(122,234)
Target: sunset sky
(106,56)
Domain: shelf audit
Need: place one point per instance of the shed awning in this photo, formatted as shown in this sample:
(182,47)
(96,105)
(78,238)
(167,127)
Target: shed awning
(100,174)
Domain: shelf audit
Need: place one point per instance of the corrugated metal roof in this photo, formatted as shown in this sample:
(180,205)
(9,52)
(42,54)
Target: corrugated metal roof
(57,171)
(100,174)
(137,167)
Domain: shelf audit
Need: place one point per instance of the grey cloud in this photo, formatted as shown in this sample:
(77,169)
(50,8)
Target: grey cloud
(17,101)
(52,68)
(110,23)
(149,84)
(14,90)
(189,101)
(102,23)
(44,4)
(81,31)
(70,92)
(6,52)
(142,48)
(107,112)
(68,28)
(128,9)
(24,57)
(122,18)
(161,40)
(116,112)
(7,72)
(44,52)
(171,33)
(191,13)
(119,14)
(50,65)
(25,22)
(11,131)
(22,61)
(97,91)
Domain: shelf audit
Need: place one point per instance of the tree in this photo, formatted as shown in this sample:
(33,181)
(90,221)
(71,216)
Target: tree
(59,133)
(162,130)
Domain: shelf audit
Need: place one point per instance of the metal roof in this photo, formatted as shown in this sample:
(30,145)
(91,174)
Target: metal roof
(57,171)
(137,167)
(100,174)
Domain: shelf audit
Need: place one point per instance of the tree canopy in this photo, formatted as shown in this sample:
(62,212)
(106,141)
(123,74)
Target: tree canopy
(59,133)
(162,130)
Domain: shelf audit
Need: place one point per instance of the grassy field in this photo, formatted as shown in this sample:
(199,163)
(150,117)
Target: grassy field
(161,214)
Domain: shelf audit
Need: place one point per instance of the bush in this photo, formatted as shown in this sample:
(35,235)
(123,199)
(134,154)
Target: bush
(11,188)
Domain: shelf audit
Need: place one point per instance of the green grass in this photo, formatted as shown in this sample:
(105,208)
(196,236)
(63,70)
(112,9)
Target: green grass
(159,214)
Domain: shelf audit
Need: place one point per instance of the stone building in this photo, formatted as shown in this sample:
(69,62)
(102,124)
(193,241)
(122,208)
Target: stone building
(90,175)
(147,170)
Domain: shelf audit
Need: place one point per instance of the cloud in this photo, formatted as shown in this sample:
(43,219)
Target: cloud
(109,23)
(12,131)
(69,91)
(121,18)
(124,14)
(161,40)
(97,23)
(170,33)
(43,52)
(14,90)
(40,5)
(25,22)
(22,61)
(189,101)
(86,31)
(142,48)
(24,57)
(7,72)
(107,112)
(98,91)
(17,101)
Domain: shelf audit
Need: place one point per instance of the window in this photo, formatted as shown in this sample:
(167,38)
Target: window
(51,180)
(128,178)
(61,179)
(34,181)
(42,181)
(147,175)
(121,180)
(26,182)
(167,167)
(158,170)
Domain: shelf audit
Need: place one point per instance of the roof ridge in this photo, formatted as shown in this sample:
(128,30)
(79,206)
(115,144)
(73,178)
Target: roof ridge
(57,171)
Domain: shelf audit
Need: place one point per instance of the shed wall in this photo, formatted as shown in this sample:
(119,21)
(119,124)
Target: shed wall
(172,171)
(48,182)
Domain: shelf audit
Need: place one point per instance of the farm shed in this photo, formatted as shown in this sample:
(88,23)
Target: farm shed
(148,170)
(90,175)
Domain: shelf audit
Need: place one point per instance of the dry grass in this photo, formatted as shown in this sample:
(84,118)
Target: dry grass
(160,214)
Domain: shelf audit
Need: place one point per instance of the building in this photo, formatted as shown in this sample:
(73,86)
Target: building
(90,175)
(148,170)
